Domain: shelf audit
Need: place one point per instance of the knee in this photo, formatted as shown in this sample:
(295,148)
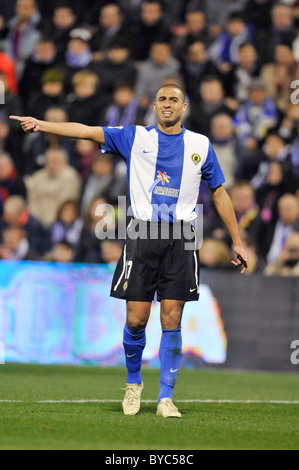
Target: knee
(136,325)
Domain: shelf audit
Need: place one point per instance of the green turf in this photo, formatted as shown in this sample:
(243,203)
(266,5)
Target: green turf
(32,425)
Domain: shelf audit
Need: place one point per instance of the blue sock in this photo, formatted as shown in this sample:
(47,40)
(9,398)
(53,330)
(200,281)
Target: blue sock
(134,344)
(170,357)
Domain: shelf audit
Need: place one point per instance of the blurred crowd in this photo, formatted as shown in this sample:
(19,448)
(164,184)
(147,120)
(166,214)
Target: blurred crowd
(100,63)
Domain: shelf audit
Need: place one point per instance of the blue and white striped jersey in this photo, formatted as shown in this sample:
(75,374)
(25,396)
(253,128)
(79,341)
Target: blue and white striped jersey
(164,171)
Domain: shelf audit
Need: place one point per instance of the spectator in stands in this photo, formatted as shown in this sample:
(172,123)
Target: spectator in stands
(78,53)
(149,28)
(63,21)
(212,101)
(257,13)
(43,58)
(84,153)
(274,149)
(68,225)
(279,75)
(237,81)
(194,30)
(48,188)
(268,194)
(111,251)
(224,49)
(15,246)
(116,67)
(7,67)
(51,94)
(246,208)
(214,254)
(90,246)
(161,64)
(196,65)
(287,263)
(36,145)
(124,109)
(10,183)
(225,145)
(218,12)
(23,33)
(16,213)
(256,115)
(288,211)
(112,29)
(85,105)
(62,252)
(9,143)
(282,31)
(11,103)
(102,182)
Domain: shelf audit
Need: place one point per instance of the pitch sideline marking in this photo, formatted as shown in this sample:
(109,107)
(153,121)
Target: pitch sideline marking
(266,402)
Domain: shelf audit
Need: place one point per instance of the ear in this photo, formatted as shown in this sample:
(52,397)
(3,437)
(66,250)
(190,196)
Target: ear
(184,107)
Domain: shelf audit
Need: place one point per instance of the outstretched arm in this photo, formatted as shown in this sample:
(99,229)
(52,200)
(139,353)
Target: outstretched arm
(226,211)
(64,129)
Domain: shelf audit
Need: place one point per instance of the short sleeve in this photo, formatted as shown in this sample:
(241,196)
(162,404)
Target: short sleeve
(212,173)
(119,140)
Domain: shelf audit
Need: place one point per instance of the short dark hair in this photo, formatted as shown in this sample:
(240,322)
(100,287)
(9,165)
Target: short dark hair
(173,85)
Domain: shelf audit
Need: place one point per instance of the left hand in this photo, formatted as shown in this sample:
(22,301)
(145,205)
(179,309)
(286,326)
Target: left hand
(242,259)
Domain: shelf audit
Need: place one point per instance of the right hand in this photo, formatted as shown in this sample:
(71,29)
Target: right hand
(29,124)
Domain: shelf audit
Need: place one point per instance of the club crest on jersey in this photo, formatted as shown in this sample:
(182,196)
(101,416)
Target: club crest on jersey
(161,177)
(196,158)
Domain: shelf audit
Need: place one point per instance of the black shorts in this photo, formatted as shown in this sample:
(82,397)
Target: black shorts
(161,265)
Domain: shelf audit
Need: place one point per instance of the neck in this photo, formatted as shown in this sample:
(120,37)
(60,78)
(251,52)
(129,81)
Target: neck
(170,129)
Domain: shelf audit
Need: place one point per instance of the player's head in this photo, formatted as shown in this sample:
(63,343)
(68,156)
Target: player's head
(170,104)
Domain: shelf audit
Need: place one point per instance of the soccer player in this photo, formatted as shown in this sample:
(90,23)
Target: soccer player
(165,164)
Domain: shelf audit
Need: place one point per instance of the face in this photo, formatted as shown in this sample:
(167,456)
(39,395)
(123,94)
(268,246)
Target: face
(275,175)
(5,168)
(77,46)
(195,21)
(211,92)
(282,17)
(235,27)
(118,55)
(160,53)
(68,214)
(151,13)
(222,127)
(197,53)
(258,96)
(242,198)
(86,88)
(55,161)
(247,56)
(169,106)
(52,88)
(63,18)
(123,96)
(110,17)
(63,254)
(288,209)
(45,51)
(25,9)
(284,55)
(274,145)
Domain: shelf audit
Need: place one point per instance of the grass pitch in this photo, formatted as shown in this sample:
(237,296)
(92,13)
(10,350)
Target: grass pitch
(57,407)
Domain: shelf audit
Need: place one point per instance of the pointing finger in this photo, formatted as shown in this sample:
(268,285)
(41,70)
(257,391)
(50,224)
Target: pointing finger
(16,118)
